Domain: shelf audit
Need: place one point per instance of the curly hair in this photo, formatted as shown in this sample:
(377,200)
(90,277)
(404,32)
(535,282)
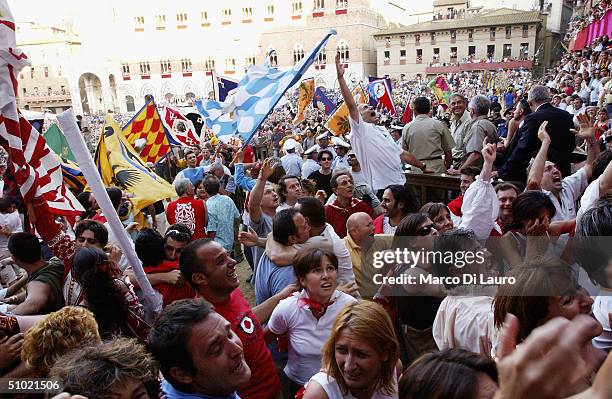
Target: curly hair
(58,333)
(94,371)
(103,297)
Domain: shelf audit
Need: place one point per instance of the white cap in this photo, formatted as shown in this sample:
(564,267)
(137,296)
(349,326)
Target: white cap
(337,141)
(322,136)
(310,150)
(290,144)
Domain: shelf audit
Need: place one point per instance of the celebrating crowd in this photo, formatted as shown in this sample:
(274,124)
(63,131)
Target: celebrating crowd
(359,289)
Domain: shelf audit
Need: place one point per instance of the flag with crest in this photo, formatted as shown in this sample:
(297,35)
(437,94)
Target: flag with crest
(338,122)
(321,102)
(119,165)
(181,128)
(306,95)
(35,166)
(147,124)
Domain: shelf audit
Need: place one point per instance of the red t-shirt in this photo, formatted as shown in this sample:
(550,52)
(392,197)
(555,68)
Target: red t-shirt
(337,216)
(191,212)
(170,292)
(264,383)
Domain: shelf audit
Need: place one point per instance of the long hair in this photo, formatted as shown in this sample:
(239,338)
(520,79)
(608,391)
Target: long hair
(90,268)
(367,321)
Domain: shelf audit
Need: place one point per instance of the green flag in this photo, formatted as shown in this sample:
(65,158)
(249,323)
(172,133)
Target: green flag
(58,143)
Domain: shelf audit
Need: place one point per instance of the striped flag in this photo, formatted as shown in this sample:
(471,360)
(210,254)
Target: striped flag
(147,124)
(36,169)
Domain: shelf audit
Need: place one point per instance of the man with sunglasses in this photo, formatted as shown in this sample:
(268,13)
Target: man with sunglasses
(322,177)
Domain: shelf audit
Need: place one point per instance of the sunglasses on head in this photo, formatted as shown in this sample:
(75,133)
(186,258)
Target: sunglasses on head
(426,230)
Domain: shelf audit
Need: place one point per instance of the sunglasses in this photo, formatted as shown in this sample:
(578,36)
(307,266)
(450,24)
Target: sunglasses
(326,159)
(426,230)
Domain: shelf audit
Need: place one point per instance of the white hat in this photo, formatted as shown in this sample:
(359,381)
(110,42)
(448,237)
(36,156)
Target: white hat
(310,150)
(290,144)
(337,141)
(322,136)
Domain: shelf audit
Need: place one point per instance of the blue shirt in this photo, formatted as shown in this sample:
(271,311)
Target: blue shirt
(221,215)
(193,174)
(292,163)
(271,279)
(247,183)
(173,393)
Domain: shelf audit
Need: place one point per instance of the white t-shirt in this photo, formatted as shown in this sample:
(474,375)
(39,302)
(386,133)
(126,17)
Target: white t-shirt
(590,196)
(572,188)
(333,391)
(306,334)
(602,306)
(377,153)
(12,223)
(345,264)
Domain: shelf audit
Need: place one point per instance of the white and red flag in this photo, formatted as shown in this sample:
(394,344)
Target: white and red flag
(34,165)
(181,128)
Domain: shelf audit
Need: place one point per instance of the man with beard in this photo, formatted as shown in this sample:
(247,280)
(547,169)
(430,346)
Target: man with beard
(397,203)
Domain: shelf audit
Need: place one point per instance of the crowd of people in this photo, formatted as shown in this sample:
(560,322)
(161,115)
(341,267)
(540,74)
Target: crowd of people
(359,289)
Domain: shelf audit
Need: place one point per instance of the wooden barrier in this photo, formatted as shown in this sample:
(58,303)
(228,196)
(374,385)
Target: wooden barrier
(433,180)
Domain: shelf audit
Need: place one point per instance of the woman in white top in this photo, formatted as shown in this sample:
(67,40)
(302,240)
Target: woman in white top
(307,316)
(361,357)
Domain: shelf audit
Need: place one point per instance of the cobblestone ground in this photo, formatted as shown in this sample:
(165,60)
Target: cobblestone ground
(248,290)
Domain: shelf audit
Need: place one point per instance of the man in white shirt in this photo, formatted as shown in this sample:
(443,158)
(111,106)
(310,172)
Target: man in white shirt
(292,162)
(380,158)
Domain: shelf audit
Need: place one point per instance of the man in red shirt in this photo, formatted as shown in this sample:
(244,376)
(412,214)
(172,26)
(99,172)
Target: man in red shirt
(338,212)
(208,267)
(187,210)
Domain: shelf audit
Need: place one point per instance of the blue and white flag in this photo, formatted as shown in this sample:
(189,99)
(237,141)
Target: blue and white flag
(255,97)
(222,86)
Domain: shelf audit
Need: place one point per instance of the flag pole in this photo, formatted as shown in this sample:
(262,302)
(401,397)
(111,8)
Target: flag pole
(67,120)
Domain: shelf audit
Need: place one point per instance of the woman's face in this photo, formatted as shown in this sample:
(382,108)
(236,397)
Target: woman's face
(200,192)
(602,116)
(443,221)
(570,306)
(320,282)
(358,360)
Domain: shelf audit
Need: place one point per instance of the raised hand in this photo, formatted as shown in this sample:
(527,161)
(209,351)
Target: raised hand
(586,125)
(542,134)
(339,67)
(267,168)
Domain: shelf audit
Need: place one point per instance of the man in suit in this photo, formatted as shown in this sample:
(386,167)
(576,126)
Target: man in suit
(526,144)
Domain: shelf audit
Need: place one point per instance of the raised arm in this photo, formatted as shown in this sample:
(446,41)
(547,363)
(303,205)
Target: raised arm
(346,93)
(587,132)
(257,194)
(534,180)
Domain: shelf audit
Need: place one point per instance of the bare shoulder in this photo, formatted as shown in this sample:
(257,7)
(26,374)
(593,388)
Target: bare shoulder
(314,390)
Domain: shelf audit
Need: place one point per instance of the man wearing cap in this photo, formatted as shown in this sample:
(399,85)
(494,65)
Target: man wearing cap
(312,162)
(342,148)
(292,163)
(428,139)
(323,144)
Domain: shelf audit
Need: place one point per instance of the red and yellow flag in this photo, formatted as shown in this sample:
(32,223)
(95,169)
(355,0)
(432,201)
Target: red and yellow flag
(306,95)
(338,122)
(147,124)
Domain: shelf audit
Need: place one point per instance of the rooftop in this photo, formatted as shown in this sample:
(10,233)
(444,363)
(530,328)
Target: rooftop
(442,3)
(501,16)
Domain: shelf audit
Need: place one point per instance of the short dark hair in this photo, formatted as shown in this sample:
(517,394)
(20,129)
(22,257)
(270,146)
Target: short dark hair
(99,231)
(601,162)
(422,105)
(313,210)
(115,194)
(433,209)
(211,184)
(406,196)
(470,171)
(149,247)
(528,205)
(309,259)
(447,374)
(178,232)
(408,227)
(83,199)
(322,152)
(189,261)
(284,226)
(168,338)
(591,247)
(505,186)
(5,204)
(25,247)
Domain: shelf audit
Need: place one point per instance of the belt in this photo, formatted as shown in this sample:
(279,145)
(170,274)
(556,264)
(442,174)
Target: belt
(430,159)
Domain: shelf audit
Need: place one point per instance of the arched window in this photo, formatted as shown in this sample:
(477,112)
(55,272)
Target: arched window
(272,57)
(321,58)
(319,5)
(343,49)
(298,53)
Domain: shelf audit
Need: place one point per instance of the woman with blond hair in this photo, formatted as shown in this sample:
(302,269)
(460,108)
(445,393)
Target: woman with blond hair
(57,334)
(360,358)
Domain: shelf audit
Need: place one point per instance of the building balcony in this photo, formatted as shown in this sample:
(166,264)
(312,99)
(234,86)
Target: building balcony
(33,98)
(479,66)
